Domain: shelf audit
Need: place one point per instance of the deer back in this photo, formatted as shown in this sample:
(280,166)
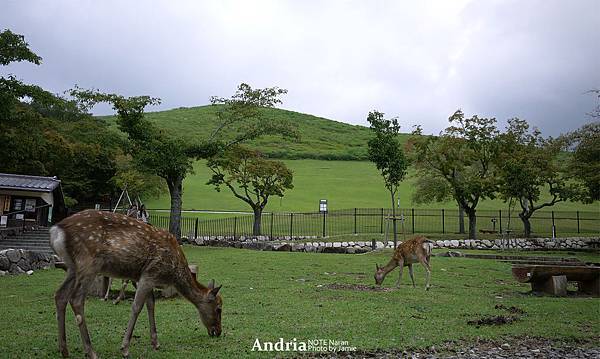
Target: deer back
(115,245)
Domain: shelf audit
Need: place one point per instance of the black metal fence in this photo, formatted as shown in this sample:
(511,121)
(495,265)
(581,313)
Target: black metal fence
(378,220)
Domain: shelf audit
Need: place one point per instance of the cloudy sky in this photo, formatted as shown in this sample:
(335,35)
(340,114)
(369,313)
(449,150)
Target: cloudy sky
(417,60)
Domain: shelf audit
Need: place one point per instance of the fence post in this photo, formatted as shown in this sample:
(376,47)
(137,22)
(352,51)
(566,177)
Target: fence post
(500,220)
(196,229)
(381,229)
(271,236)
(553,226)
(443,223)
(412,211)
(291,225)
(234,227)
(578,222)
(324,222)
(355,220)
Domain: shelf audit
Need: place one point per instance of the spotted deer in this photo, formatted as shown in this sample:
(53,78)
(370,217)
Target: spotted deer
(93,243)
(417,249)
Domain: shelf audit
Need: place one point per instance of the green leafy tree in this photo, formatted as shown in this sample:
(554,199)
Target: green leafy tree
(172,158)
(49,135)
(584,162)
(385,150)
(528,166)
(251,178)
(460,162)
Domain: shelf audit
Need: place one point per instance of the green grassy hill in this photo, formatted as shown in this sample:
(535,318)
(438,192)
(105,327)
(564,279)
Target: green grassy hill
(320,138)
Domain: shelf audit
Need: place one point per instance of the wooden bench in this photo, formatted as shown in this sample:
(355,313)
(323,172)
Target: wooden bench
(553,278)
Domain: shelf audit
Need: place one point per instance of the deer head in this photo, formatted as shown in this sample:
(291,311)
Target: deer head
(210,309)
(379,274)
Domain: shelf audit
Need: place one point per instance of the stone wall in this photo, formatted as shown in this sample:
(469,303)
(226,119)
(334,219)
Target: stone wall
(365,246)
(19,261)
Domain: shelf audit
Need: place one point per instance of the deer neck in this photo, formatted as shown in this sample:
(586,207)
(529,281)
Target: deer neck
(192,290)
(389,267)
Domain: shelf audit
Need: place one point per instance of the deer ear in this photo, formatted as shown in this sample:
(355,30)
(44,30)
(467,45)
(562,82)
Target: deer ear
(211,284)
(376,266)
(215,291)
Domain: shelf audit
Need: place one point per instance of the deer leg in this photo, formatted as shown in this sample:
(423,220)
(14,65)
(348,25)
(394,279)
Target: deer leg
(425,264)
(401,268)
(121,292)
(412,277)
(61,298)
(143,290)
(152,321)
(106,296)
(78,303)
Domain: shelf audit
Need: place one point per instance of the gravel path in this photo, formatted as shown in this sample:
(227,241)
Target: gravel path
(517,348)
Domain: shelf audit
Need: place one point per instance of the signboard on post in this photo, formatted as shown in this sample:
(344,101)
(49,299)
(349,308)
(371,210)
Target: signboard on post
(3,221)
(323,205)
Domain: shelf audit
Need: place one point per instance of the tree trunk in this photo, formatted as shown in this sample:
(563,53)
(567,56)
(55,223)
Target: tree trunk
(472,224)
(526,223)
(176,190)
(257,221)
(461,219)
(394,218)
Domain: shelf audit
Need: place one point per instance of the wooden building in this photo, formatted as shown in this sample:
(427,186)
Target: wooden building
(30,200)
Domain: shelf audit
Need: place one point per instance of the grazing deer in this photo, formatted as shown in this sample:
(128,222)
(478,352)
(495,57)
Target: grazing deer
(417,249)
(95,243)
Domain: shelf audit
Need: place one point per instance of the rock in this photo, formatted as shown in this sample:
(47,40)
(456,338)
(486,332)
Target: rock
(486,243)
(199,241)
(351,244)
(24,264)
(328,245)
(454,243)
(350,250)
(379,245)
(13,255)
(4,263)
(14,269)
(284,247)
(337,245)
(29,272)
(2,273)
(344,244)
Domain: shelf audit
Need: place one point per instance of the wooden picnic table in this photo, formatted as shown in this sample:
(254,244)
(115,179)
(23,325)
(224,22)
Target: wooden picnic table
(553,278)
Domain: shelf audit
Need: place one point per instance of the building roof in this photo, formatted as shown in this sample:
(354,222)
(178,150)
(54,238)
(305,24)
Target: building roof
(28,183)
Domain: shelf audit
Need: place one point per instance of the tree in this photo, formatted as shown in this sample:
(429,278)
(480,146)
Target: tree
(584,162)
(251,178)
(528,165)
(385,150)
(460,162)
(49,135)
(171,157)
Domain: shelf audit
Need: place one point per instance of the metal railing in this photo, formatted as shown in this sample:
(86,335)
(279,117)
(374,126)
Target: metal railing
(377,221)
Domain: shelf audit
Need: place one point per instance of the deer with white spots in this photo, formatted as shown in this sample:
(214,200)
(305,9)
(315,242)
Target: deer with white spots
(93,243)
(415,250)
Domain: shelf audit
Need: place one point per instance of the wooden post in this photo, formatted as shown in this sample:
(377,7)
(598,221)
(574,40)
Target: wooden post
(291,225)
(500,221)
(443,224)
(324,224)
(578,222)
(355,220)
(555,285)
(381,229)
(234,227)
(196,229)
(271,225)
(553,226)
(413,219)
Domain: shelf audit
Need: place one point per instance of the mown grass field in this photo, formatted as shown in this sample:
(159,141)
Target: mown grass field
(272,295)
(345,184)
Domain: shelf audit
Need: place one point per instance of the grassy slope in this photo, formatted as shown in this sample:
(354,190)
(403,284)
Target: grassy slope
(345,184)
(320,138)
(268,295)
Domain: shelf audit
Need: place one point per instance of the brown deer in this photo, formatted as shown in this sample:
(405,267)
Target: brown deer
(95,243)
(417,249)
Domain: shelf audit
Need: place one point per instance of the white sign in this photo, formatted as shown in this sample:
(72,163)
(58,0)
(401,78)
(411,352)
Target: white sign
(323,205)
(3,221)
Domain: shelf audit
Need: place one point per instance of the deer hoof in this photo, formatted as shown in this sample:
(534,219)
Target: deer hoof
(125,352)
(92,355)
(64,352)
(155,346)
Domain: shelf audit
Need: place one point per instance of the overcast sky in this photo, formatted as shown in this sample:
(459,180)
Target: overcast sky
(417,60)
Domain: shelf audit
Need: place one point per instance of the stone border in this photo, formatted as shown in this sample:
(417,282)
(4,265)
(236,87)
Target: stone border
(20,261)
(366,246)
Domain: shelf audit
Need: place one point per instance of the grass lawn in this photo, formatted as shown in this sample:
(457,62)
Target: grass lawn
(268,295)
